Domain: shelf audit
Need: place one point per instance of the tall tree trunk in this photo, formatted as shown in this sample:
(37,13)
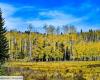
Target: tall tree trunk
(30,49)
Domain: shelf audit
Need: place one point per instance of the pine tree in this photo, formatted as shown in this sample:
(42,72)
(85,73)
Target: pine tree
(3,41)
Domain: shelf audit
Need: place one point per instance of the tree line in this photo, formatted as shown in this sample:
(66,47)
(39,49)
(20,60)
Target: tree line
(55,44)
(53,47)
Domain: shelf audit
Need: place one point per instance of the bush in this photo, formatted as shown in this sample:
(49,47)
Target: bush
(2,71)
(79,76)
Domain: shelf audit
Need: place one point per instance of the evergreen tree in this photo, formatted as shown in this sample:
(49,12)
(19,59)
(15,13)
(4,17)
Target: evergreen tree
(81,31)
(3,41)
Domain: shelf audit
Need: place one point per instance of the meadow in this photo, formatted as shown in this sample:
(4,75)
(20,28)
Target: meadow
(66,70)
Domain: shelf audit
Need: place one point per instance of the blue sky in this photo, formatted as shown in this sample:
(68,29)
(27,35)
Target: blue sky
(18,14)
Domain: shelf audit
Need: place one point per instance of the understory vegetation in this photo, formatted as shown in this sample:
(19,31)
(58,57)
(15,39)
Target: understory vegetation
(70,70)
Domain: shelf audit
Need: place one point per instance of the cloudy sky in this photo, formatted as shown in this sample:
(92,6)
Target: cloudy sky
(18,14)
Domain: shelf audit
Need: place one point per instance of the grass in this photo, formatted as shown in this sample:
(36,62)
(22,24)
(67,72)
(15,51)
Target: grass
(64,69)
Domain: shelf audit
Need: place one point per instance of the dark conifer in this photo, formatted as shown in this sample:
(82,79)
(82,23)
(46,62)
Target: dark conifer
(3,41)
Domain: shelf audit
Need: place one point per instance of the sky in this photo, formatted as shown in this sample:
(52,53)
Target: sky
(18,14)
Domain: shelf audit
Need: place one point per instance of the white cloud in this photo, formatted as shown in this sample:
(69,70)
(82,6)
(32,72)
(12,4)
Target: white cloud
(56,15)
(10,21)
(8,10)
(15,23)
(57,18)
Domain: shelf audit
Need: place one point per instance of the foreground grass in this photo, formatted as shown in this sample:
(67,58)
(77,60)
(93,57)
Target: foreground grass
(67,70)
(56,65)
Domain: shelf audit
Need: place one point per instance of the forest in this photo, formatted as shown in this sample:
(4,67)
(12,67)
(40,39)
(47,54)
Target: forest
(55,44)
